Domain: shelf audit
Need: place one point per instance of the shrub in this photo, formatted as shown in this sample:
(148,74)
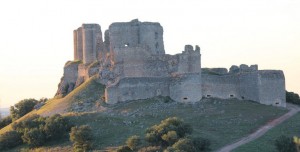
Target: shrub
(10,139)
(123,149)
(185,145)
(133,142)
(34,121)
(171,137)
(150,149)
(81,137)
(159,134)
(34,137)
(201,144)
(56,126)
(285,144)
(5,121)
(22,108)
(292,97)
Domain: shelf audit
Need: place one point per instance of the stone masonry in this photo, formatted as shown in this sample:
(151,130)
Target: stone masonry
(132,64)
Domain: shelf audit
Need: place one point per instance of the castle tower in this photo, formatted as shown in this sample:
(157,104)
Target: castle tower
(92,42)
(88,43)
(146,35)
(77,34)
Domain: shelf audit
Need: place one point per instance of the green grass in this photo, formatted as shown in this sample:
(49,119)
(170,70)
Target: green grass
(86,95)
(221,121)
(290,127)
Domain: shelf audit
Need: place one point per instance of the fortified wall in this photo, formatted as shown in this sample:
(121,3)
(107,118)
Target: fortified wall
(245,83)
(132,63)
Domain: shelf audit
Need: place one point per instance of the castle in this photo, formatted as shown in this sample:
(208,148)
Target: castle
(131,62)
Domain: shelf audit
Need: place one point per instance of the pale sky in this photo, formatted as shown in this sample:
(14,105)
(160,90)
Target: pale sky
(36,37)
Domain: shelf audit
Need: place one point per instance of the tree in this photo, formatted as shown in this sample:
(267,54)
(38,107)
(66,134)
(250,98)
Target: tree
(35,121)
(5,121)
(285,144)
(34,137)
(167,132)
(22,108)
(185,145)
(292,97)
(55,126)
(81,137)
(10,139)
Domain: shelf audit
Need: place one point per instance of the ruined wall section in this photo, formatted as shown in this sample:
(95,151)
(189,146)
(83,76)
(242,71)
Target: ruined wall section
(186,88)
(220,86)
(68,81)
(151,37)
(137,88)
(136,34)
(92,43)
(248,86)
(189,60)
(78,54)
(272,87)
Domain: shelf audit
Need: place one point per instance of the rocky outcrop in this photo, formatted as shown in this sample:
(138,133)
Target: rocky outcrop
(69,79)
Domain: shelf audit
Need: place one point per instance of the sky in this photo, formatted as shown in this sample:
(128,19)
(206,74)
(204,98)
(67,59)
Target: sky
(36,37)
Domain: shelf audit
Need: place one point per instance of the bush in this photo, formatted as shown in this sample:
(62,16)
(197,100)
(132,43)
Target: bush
(133,142)
(171,137)
(22,108)
(81,137)
(201,144)
(5,121)
(34,137)
(34,121)
(292,97)
(185,145)
(151,149)
(36,130)
(123,149)
(285,144)
(56,126)
(10,139)
(164,133)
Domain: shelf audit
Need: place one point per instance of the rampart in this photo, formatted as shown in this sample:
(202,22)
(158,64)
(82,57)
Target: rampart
(132,63)
(245,83)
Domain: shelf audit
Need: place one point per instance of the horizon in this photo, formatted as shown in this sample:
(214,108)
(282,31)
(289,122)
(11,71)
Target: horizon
(37,36)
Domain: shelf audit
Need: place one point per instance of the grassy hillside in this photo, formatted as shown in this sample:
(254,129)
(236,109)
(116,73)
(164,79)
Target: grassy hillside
(221,121)
(266,142)
(83,98)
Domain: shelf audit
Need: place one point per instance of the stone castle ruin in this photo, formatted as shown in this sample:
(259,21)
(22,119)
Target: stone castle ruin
(131,62)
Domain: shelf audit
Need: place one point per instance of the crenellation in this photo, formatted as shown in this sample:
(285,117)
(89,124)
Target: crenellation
(132,63)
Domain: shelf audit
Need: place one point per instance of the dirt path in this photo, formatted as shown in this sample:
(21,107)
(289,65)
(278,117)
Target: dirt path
(261,131)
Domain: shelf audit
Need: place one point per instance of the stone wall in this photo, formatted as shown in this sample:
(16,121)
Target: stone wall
(220,86)
(272,88)
(186,88)
(137,88)
(78,54)
(189,60)
(88,43)
(245,83)
(137,34)
(248,86)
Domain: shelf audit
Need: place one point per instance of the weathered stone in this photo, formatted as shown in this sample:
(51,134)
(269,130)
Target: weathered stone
(132,63)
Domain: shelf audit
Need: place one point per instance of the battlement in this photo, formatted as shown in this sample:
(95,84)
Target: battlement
(132,63)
